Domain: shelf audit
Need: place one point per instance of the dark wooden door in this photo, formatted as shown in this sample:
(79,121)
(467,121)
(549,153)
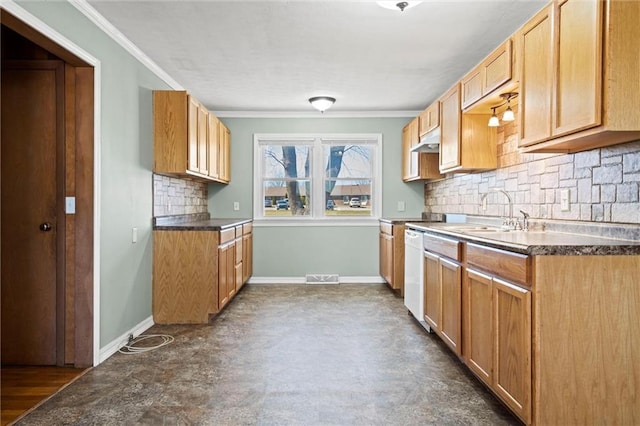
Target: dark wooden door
(31,96)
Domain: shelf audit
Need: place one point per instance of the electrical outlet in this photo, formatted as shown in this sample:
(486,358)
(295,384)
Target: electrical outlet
(134,235)
(401,206)
(484,204)
(564,200)
(236,205)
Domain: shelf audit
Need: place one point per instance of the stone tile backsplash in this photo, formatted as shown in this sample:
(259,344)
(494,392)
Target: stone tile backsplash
(173,196)
(603,184)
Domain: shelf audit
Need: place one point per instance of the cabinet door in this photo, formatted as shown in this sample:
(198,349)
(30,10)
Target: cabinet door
(478,334)
(231,271)
(192,136)
(203,122)
(577,102)
(450,128)
(472,87)
(386,257)
(224,254)
(224,139)
(496,69)
(512,359)
(451,290)
(432,290)
(410,138)
(247,257)
(213,146)
(406,157)
(429,119)
(536,78)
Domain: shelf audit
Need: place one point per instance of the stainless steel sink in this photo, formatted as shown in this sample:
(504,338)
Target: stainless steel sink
(476,228)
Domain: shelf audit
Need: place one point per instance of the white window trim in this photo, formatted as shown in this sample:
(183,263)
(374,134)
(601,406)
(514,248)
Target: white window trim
(318,218)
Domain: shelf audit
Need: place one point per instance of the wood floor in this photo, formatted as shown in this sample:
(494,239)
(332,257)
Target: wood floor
(23,388)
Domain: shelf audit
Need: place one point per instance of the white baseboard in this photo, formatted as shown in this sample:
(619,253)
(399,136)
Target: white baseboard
(302,280)
(112,347)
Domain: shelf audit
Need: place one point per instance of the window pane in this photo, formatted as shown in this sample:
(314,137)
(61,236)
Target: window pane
(348,197)
(286,161)
(348,161)
(287,198)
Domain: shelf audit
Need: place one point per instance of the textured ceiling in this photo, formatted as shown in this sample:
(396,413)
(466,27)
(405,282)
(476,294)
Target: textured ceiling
(272,56)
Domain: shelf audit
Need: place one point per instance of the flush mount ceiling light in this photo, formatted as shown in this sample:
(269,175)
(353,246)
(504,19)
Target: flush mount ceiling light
(322,103)
(398,5)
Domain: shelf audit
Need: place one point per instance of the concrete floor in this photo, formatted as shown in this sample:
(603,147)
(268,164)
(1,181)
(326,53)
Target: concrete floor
(285,355)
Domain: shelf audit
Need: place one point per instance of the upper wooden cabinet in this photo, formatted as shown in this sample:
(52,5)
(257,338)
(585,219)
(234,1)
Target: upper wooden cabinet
(492,73)
(536,75)
(578,77)
(429,119)
(466,143)
(187,138)
(224,153)
(418,166)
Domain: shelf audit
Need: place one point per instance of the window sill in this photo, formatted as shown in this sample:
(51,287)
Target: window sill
(302,222)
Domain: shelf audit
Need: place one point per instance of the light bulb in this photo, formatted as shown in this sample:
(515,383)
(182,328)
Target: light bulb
(508,115)
(493,121)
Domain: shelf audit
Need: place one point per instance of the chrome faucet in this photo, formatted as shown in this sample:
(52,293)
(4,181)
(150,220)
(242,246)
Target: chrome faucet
(525,220)
(507,222)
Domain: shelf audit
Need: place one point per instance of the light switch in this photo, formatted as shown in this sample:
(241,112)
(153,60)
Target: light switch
(134,235)
(70,205)
(400,206)
(236,205)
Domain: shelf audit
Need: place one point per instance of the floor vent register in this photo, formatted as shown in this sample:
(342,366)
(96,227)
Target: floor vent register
(322,279)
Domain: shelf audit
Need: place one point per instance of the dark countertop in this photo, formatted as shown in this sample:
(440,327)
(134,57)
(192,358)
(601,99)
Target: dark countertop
(195,222)
(533,242)
(400,220)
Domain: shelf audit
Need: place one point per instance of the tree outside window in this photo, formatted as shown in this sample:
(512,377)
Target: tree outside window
(315,177)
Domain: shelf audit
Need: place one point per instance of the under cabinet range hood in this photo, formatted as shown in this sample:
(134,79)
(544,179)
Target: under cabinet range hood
(429,142)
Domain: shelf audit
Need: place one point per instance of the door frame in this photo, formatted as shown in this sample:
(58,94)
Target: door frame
(86,129)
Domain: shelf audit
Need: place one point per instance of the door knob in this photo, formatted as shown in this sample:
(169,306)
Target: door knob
(45,227)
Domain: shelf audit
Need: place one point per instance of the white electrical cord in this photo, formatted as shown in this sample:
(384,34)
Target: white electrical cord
(130,348)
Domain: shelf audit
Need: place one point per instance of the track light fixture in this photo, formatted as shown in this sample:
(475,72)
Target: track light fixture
(508,114)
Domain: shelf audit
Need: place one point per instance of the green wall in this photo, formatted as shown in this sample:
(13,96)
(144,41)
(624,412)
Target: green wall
(293,251)
(126,163)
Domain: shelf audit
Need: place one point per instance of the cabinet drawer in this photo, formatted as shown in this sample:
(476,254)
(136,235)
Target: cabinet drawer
(227,235)
(386,228)
(247,228)
(239,231)
(505,264)
(443,246)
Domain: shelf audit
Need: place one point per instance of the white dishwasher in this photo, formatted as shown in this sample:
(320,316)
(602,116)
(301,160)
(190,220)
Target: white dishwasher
(413,275)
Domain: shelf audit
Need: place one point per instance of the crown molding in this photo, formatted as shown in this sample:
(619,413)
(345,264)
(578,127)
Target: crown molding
(316,114)
(101,22)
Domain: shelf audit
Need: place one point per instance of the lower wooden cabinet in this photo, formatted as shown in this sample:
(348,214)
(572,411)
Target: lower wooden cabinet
(443,290)
(497,324)
(247,252)
(498,338)
(533,328)
(392,255)
(196,273)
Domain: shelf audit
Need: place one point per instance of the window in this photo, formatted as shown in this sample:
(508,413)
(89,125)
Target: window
(317,177)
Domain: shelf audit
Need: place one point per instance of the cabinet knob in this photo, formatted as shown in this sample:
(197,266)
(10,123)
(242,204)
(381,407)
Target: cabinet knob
(46,227)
